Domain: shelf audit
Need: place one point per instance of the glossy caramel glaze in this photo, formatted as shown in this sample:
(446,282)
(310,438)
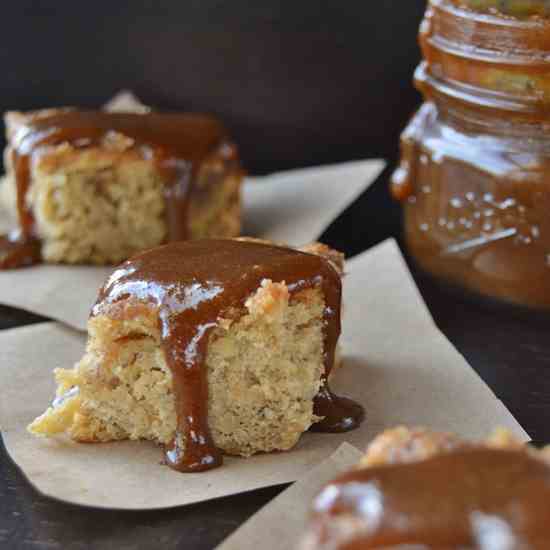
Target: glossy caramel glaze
(340,414)
(474,498)
(177,143)
(195,283)
(17,250)
(475,160)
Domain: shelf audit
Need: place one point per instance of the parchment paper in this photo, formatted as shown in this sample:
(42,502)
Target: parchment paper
(397,364)
(293,207)
(281,522)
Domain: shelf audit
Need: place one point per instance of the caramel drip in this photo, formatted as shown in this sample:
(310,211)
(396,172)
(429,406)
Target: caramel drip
(340,414)
(16,250)
(177,143)
(475,498)
(195,283)
(403,178)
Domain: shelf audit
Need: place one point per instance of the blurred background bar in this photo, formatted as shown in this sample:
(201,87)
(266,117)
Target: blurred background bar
(298,83)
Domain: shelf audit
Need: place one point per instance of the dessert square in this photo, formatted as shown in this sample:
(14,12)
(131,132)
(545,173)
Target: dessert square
(209,347)
(97,187)
(417,488)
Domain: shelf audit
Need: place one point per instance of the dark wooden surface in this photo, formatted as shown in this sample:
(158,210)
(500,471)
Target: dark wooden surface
(299,83)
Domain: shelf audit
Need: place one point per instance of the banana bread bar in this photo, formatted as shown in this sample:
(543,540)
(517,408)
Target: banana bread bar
(209,346)
(97,187)
(417,489)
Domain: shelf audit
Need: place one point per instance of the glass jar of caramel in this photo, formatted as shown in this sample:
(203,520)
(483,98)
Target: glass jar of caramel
(474,176)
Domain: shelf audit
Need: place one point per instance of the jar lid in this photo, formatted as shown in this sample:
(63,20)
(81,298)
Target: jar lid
(515,8)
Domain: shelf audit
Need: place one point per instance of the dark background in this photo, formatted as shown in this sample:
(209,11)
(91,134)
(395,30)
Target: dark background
(298,83)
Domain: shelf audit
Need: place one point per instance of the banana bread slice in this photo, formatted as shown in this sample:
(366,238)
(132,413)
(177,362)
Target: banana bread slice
(211,345)
(416,489)
(97,187)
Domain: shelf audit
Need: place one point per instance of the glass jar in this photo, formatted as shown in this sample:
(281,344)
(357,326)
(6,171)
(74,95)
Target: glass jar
(474,177)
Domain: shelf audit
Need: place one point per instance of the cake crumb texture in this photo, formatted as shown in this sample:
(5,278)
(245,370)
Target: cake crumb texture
(264,369)
(101,204)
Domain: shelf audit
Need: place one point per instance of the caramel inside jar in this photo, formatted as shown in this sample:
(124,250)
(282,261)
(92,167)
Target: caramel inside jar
(474,177)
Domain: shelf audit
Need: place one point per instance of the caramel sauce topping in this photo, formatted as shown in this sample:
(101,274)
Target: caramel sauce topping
(476,498)
(195,283)
(177,143)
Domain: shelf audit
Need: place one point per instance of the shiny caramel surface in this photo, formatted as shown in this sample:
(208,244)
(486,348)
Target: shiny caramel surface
(193,284)
(474,498)
(477,217)
(177,143)
(475,159)
(19,251)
